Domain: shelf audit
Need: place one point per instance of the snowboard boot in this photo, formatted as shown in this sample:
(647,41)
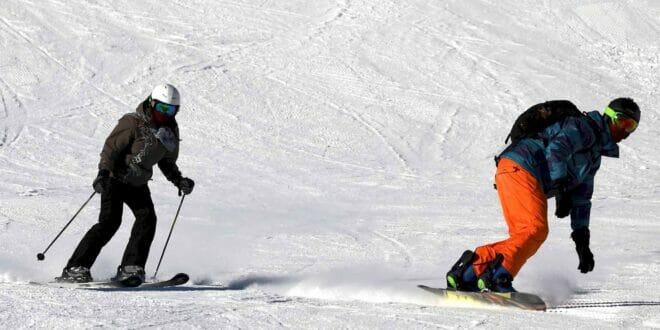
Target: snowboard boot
(496,278)
(461,276)
(75,274)
(130,275)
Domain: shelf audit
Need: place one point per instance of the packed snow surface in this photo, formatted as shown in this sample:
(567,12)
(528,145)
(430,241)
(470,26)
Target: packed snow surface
(342,150)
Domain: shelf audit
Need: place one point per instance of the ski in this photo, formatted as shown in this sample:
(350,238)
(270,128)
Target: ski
(178,279)
(130,283)
(519,300)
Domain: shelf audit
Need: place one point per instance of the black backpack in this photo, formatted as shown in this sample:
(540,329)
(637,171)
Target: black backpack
(531,122)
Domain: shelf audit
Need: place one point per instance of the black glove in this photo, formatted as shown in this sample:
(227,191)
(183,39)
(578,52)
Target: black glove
(581,239)
(562,198)
(102,182)
(185,186)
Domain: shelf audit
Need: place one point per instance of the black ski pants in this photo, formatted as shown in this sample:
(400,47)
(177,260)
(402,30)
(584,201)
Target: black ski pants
(139,201)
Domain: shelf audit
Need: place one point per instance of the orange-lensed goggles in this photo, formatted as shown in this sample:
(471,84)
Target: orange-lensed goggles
(621,120)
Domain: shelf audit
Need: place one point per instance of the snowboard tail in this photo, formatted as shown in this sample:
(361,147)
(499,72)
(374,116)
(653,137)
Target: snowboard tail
(519,300)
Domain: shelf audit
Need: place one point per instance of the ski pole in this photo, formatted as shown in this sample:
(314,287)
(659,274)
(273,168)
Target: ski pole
(169,235)
(41,256)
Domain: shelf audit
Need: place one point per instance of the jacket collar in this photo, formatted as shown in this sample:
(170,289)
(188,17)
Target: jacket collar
(608,147)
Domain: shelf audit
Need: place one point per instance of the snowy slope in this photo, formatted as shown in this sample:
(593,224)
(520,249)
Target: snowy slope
(342,152)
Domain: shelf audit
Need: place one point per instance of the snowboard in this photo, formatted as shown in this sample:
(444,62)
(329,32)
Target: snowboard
(130,283)
(519,300)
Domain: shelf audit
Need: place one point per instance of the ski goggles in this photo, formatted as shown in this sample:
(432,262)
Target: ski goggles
(169,110)
(621,120)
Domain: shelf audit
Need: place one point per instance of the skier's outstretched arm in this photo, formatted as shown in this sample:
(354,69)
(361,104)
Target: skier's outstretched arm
(171,171)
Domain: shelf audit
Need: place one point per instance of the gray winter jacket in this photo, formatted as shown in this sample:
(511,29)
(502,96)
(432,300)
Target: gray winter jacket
(136,144)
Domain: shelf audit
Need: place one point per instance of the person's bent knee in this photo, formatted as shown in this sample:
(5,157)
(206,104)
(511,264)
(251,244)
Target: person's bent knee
(539,234)
(107,229)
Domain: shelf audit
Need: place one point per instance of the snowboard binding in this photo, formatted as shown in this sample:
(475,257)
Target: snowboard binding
(496,278)
(461,276)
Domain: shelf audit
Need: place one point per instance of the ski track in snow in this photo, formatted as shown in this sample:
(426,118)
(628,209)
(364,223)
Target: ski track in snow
(342,152)
(10,137)
(406,253)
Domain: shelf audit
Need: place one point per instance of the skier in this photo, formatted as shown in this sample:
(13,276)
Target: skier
(560,162)
(141,139)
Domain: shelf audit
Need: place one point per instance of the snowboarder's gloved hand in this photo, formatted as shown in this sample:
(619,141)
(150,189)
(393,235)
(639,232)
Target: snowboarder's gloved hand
(102,182)
(185,186)
(562,198)
(581,239)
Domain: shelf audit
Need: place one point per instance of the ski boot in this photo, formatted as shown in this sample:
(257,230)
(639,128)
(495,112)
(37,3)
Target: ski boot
(496,278)
(75,274)
(130,275)
(461,276)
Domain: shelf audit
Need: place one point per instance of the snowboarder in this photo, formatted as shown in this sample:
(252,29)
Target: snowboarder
(141,139)
(560,162)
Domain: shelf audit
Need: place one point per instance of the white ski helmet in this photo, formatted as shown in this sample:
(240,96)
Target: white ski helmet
(166,93)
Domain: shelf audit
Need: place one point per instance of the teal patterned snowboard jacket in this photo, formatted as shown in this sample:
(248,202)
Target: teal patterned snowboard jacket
(570,150)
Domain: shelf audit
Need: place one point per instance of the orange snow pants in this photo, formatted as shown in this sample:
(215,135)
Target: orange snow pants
(525,208)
